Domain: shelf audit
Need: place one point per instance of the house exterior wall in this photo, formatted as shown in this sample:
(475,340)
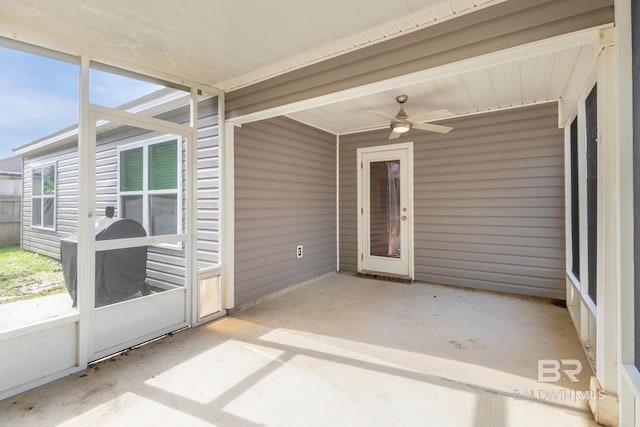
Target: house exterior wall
(285,182)
(488,202)
(501,26)
(165,265)
(47,242)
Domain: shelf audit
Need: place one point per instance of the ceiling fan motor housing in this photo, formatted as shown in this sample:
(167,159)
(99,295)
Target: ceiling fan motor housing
(401,123)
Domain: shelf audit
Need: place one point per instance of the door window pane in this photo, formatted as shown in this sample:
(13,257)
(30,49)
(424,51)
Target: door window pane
(132,208)
(131,171)
(163,214)
(384,204)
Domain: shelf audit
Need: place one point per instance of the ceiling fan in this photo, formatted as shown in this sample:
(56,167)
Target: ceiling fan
(402,123)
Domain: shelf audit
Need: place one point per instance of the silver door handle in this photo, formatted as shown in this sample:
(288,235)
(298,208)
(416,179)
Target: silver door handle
(404,217)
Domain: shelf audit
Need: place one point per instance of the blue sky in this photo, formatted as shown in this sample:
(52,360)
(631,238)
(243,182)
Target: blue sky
(39,96)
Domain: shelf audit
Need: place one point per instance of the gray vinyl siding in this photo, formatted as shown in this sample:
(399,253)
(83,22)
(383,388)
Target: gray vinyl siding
(500,26)
(488,202)
(285,181)
(47,242)
(208,188)
(165,265)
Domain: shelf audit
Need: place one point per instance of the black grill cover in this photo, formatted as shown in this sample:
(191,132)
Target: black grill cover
(120,273)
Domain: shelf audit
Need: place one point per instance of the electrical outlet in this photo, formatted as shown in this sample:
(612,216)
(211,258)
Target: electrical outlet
(299,252)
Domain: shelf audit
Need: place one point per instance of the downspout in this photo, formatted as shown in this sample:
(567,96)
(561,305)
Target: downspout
(337,202)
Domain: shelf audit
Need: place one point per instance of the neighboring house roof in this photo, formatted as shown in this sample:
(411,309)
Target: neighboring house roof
(155,103)
(11,166)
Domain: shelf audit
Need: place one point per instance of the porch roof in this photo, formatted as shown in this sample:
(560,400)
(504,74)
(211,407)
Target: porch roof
(219,43)
(230,46)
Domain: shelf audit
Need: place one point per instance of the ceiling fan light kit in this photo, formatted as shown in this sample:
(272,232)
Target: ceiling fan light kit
(402,123)
(400,127)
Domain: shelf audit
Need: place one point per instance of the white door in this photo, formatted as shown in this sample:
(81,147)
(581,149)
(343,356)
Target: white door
(385,199)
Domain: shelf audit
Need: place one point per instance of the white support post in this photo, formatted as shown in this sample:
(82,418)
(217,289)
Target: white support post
(625,176)
(628,389)
(86,227)
(608,195)
(192,210)
(227,205)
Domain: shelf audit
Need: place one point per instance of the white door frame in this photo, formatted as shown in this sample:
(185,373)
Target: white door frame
(409,167)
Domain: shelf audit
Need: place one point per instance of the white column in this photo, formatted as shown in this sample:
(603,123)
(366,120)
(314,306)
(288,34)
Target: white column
(625,285)
(86,226)
(625,171)
(227,205)
(608,228)
(191,252)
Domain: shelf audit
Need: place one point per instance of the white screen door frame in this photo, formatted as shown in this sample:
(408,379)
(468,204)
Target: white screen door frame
(401,265)
(121,325)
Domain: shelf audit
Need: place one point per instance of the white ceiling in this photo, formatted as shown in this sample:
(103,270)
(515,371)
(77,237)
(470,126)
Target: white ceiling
(527,81)
(224,43)
(232,43)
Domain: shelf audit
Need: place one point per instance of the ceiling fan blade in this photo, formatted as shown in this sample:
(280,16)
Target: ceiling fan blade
(381,114)
(431,115)
(394,135)
(432,128)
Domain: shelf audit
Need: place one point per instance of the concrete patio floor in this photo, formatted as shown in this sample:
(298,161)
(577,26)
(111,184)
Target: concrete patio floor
(340,351)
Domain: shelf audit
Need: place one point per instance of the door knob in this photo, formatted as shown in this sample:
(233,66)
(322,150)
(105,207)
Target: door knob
(404,217)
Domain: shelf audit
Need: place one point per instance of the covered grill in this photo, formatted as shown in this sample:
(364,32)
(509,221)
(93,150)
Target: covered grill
(120,273)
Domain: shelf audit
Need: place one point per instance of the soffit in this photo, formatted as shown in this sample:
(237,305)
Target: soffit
(537,79)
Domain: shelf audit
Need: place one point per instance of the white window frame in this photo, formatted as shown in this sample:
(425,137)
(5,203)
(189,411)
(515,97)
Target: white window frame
(569,210)
(41,166)
(146,193)
(581,287)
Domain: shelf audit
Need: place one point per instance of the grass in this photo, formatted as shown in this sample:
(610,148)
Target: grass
(25,275)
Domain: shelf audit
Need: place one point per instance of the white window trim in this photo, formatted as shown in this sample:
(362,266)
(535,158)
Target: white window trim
(145,193)
(582,285)
(41,166)
(583,199)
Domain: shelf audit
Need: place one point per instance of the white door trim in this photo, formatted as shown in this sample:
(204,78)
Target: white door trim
(399,146)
